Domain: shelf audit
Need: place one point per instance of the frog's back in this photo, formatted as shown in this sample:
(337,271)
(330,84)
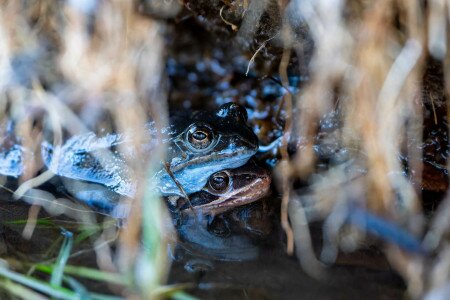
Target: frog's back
(90,158)
(227,142)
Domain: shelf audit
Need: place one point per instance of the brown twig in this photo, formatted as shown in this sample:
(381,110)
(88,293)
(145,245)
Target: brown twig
(179,186)
(286,182)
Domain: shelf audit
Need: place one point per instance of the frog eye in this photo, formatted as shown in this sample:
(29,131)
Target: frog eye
(200,137)
(219,181)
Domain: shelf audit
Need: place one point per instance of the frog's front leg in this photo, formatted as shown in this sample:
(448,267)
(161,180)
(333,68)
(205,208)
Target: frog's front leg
(94,195)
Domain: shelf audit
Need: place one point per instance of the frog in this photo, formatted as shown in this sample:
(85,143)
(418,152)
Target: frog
(228,189)
(226,192)
(198,146)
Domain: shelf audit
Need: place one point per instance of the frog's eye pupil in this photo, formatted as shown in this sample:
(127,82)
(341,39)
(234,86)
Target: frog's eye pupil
(200,137)
(219,181)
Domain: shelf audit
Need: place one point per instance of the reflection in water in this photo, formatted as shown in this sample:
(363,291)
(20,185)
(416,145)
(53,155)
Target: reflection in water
(200,239)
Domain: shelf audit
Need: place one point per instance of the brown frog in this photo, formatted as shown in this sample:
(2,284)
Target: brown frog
(228,189)
(206,224)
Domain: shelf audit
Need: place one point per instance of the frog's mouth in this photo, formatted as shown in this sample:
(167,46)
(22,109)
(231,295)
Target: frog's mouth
(242,196)
(228,160)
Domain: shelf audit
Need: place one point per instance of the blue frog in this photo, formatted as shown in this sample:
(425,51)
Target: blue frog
(197,146)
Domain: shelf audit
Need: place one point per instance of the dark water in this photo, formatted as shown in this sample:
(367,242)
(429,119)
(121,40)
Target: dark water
(275,275)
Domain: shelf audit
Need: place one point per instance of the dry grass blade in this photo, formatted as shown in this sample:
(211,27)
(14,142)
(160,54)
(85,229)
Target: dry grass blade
(91,59)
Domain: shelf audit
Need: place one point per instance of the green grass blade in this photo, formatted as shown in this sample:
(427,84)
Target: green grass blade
(88,273)
(87,233)
(38,285)
(77,287)
(21,290)
(42,221)
(181,295)
(95,296)
(174,291)
(58,271)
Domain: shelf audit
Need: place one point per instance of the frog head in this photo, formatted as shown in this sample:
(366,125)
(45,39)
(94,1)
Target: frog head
(204,144)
